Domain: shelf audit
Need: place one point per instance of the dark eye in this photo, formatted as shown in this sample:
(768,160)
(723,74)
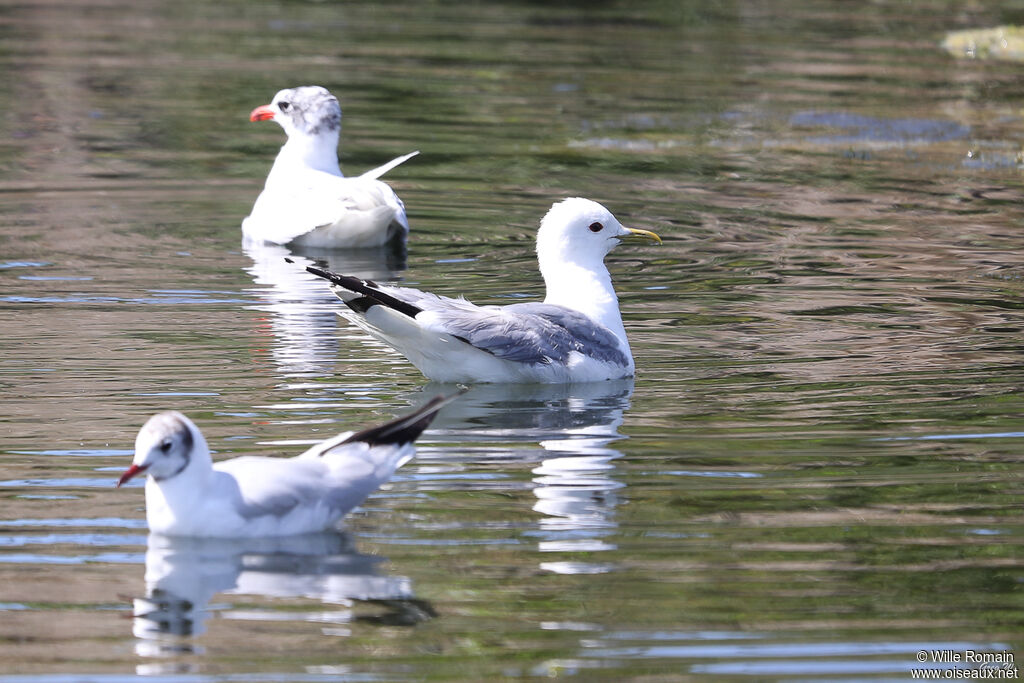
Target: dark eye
(596,227)
(165,447)
(284,106)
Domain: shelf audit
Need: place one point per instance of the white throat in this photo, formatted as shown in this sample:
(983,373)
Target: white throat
(306,152)
(585,289)
(183,490)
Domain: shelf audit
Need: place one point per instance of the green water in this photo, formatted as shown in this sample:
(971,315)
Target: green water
(816,474)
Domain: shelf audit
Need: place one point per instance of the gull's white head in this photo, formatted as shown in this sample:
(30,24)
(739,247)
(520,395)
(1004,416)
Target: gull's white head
(581,231)
(306,110)
(166,446)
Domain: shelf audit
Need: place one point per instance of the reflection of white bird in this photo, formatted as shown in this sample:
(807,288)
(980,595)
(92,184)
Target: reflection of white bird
(577,425)
(297,312)
(307,201)
(184,574)
(188,495)
(576,335)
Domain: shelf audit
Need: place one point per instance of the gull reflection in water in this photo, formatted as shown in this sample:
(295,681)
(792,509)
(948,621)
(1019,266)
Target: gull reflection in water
(301,322)
(574,483)
(184,574)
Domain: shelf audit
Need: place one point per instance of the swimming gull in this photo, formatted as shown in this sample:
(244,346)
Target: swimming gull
(307,201)
(189,495)
(575,335)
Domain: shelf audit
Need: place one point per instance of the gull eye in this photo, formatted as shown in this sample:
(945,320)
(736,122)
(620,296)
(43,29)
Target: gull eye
(596,227)
(165,447)
(284,106)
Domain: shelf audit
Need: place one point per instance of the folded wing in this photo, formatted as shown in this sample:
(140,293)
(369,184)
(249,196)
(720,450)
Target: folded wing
(523,333)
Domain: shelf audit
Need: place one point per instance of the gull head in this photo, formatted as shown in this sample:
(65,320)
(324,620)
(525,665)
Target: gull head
(306,110)
(165,447)
(582,231)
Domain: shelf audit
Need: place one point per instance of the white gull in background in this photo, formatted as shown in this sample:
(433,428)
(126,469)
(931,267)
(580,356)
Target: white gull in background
(307,201)
(575,335)
(188,495)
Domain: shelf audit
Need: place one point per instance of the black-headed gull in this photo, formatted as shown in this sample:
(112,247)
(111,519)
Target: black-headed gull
(307,201)
(189,495)
(575,335)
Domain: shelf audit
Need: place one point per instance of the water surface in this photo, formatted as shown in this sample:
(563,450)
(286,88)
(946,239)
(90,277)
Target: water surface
(816,474)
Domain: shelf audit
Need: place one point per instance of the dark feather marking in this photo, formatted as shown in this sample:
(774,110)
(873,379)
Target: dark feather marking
(187,440)
(361,304)
(367,289)
(187,443)
(466,341)
(405,429)
(537,333)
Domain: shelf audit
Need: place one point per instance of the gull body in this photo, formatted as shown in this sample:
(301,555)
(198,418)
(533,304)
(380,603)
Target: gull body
(307,201)
(187,494)
(575,335)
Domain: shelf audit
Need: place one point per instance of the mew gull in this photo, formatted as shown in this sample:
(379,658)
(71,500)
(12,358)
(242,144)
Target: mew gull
(189,495)
(575,335)
(307,201)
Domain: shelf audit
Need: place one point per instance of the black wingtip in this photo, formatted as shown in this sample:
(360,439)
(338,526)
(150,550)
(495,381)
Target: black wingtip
(369,290)
(347,281)
(407,428)
(325,274)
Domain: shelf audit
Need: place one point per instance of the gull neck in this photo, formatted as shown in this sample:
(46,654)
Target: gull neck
(315,152)
(588,290)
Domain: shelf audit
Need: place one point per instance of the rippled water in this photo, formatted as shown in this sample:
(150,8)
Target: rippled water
(815,476)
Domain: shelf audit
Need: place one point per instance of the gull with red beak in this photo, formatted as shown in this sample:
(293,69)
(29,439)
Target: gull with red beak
(575,335)
(307,201)
(187,494)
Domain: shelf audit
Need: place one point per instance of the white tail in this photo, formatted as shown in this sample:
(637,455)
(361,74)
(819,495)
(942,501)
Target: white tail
(381,170)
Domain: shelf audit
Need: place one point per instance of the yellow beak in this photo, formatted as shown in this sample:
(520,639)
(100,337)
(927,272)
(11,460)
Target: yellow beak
(640,235)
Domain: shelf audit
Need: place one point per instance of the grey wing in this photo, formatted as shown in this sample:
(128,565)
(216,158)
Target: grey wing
(524,333)
(271,486)
(592,339)
(529,332)
(275,486)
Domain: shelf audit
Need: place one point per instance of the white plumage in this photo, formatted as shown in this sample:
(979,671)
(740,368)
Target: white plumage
(307,201)
(576,335)
(189,495)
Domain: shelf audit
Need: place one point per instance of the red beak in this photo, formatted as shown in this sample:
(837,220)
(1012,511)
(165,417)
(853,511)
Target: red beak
(129,473)
(262,113)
